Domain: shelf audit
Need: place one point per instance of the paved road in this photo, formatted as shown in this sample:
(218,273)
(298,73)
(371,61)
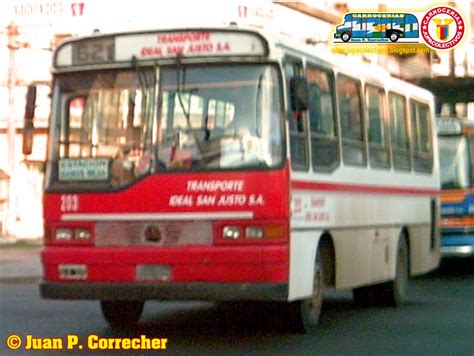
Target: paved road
(438,319)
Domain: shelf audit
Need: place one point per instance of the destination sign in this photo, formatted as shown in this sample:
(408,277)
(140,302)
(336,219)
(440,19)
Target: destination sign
(449,126)
(93,51)
(159,45)
(83,169)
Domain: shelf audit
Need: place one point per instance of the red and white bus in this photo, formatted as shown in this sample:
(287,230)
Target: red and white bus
(224,165)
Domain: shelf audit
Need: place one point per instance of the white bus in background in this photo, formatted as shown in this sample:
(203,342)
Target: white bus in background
(226,164)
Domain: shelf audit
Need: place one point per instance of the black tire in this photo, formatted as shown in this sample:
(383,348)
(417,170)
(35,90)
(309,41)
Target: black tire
(121,314)
(391,293)
(304,314)
(394,293)
(365,296)
(346,36)
(394,36)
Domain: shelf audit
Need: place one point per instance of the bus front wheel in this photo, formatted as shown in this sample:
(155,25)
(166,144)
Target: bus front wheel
(346,36)
(304,314)
(120,314)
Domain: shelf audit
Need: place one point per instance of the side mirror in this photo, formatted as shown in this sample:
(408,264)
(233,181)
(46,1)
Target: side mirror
(299,94)
(28,140)
(28,126)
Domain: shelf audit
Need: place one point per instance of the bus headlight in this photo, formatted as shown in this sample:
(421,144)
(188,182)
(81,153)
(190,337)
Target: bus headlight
(63,234)
(82,234)
(232,232)
(254,232)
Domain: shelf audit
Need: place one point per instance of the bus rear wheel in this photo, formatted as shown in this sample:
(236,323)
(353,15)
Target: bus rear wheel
(392,293)
(304,314)
(120,314)
(394,36)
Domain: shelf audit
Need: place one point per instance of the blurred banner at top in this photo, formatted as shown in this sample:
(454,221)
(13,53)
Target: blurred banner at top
(81,17)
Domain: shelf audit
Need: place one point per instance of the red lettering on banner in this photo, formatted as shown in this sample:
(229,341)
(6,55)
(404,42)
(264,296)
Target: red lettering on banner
(223,47)
(188,43)
(77,8)
(174,50)
(200,48)
(151,52)
(184,37)
(242,11)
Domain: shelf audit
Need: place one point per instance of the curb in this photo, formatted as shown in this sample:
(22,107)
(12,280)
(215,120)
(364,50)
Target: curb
(6,242)
(20,261)
(20,279)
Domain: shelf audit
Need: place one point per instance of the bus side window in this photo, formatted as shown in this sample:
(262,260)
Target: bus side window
(298,130)
(379,152)
(352,125)
(193,106)
(219,115)
(399,132)
(322,119)
(421,137)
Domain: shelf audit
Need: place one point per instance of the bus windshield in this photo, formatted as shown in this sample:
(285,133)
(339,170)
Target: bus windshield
(220,117)
(118,125)
(454,163)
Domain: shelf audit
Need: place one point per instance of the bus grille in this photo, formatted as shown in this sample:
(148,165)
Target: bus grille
(175,233)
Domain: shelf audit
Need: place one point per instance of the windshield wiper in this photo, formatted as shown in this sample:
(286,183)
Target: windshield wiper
(144,88)
(141,77)
(179,91)
(258,106)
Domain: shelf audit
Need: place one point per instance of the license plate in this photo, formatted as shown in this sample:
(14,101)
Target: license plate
(153,272)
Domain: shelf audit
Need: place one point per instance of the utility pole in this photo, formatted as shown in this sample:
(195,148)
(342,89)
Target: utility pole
(12,34)
(452,71)
(13,46)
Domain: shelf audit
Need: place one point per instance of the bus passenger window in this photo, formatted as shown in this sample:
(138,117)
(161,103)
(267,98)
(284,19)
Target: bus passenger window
(322,121)
(421,137)
(379,154)
(298,137)
(220,114)
(352,125)
(399,133)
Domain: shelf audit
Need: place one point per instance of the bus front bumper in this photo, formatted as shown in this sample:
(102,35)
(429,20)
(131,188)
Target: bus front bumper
(191,273)
(165,291)
(457,251)
(457,244)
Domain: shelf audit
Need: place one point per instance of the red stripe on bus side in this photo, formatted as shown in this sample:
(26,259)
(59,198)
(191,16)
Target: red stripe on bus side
(359,188)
